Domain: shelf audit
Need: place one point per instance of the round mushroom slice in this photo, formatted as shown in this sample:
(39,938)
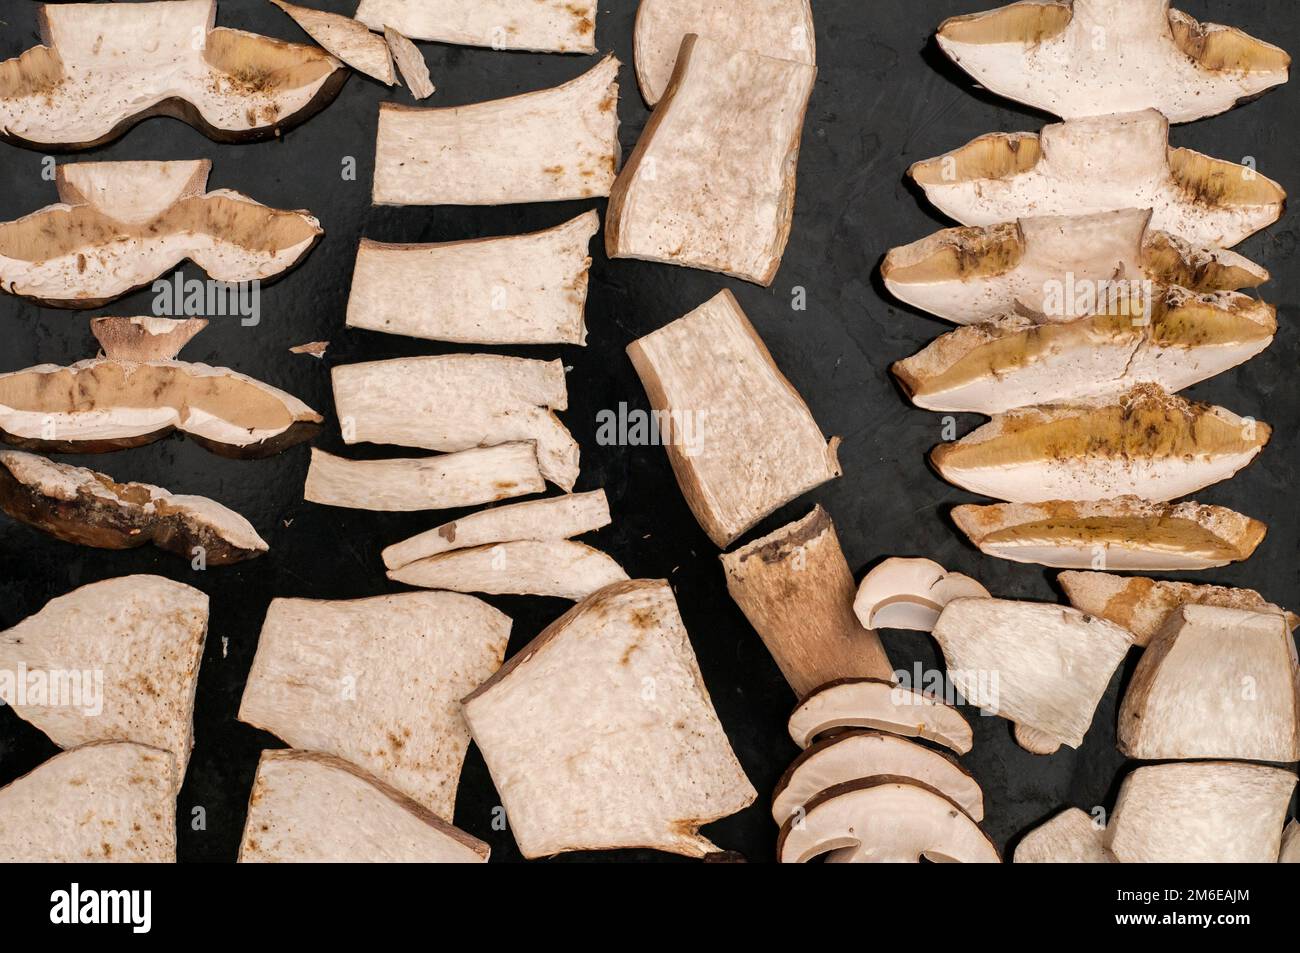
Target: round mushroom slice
(884,820)
(876,703)
(910,593)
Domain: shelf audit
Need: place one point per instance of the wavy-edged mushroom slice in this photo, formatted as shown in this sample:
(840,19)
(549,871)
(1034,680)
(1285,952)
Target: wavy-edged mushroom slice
(1146,443)
(1215,683)
(562,144)
(81,506)
(308,807)
(442,482)
(378,682)
(144,338)
(1125,533)
(108,802)
(1047,55)
(521,289)
(1210,812)
(1100,164)
(1042,667)
(1070,837)
(347,39)
(542,26)
(910,593)
(538,567)
(711,184)
(1290,852)
(410,64)
(882,705)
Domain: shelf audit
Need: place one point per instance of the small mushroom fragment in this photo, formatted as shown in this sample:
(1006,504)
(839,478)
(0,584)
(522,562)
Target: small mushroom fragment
(600,733)
(884,820)
(1119,534)
(314,808)
(542,26)
(1290,852)
(144,339)
(410,63)
(545,567)
(347,39)
(910,593)
(1208,812)
(314,349)
(740,439)
(562,144)
(882,705)
(1215,683)
(108,802)
(521,289)
(1071,837)
(711,184)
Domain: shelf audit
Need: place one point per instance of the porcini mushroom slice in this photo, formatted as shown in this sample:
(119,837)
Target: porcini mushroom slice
(1099,164)
(1047,55)
(543,26)
(1146,443)
(1290,852)
(109,802)
(1123,533)
(1071,837)
(378,682)
(910,593)
(522,289)
(884,820)
(119,661)
(563,144)
(106,66)
(81,506)
(1043,667)
(145,338)
(1215,683)
(308,807)
(458,402)
(728,128)
(347,39)
(539,567)
(862,754)
(410,63)
(446,481)
(882,705)
(741,440)
(660,765)
(1212,812)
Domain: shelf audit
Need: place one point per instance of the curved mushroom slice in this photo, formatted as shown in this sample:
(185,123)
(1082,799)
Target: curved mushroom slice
(1047,55)
(145,338)
(550,567)
(562,144)
(711,184)
(523,289)
(1043,667)
(1290,852)
(1123,533)
(1215,683)
(347,39)
(315,808)
(81,506)
(1100,164)
(109,802)
(882,705)
(884,820)
(410,63)
(1070,837)
(1147,444)
(910,593)
(1210,812)
(543,26)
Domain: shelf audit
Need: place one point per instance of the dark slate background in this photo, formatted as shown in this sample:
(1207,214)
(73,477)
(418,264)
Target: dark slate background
(885,97)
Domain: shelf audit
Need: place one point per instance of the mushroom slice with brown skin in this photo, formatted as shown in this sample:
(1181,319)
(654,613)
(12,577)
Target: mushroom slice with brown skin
(1215,683)
(314,349)
(910,593)
(1070,837)
(145,338)
(711,184)
(521,289)
(1290,852)
(542,26)
(537,567)
(308,807)
(347,39)
(882,705)
(410,63)
(563,144)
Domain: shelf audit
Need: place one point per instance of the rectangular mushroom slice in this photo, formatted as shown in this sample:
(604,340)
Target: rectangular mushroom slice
(521,289)
(347,39)
(600,733)
(712,182)
(543,26)
(410,64)
(537,567)
(378,682)
(741,440)
(547,146)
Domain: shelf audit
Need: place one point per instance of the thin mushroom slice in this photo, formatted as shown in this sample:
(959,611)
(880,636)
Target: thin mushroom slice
(881,705)
(910,593)
(144,338)
(347,39)
(1290,852)
(549,567)
(1070,837)
(542,26)
(410,63)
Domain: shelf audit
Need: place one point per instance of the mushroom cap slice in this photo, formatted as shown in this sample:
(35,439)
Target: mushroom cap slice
(910,593)
(540,567)
(543,26)
(882,705)
(107,802)
(410,64)
(1290,852)
(144,338)
(347,39)
(1070,837)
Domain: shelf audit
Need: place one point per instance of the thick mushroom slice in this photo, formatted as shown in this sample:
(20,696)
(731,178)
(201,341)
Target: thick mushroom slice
(538,567)
(711,184)
(910,593)
(410,63)
(1048,55)
(1208,812)
(1290,852)
(347,39)
(81,506)
(522,289)
(1121,534)
(378,682)
(1043,667)
(1215,683)
(1146,443)
(600,733)
(882,705)
(1071,837)
(884,820)
(562,144)
(144,338)
(740,439)
(543,26)
(108,802)
(314,808)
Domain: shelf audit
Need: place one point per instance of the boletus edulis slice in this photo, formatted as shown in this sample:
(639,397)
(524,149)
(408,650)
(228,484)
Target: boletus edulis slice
(902,593)
(346,38)
(1290,852)
(542,26)
(1071,837)
(144,338)
(881,705)
(410,64)
(563,568)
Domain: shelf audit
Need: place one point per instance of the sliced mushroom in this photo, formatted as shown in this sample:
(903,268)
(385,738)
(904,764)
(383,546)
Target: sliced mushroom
(562,143)
(543,26)
(314,349)
(144,339)
(1049,55)
(1290,852)
(546,567)
(347,39)
(882,705)
(523,289)
(910,593)
(600,733)
(410,63)
(711,184)
(1071,837)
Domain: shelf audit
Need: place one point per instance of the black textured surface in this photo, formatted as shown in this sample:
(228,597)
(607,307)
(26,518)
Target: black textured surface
(885,97)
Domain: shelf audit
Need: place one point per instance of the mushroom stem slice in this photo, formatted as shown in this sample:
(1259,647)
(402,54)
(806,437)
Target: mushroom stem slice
(1290,852)
(1070,837)
(144,339)
(546,567)
(347,39)
(410,63)
(910,593)
(542,26)
(882,705)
